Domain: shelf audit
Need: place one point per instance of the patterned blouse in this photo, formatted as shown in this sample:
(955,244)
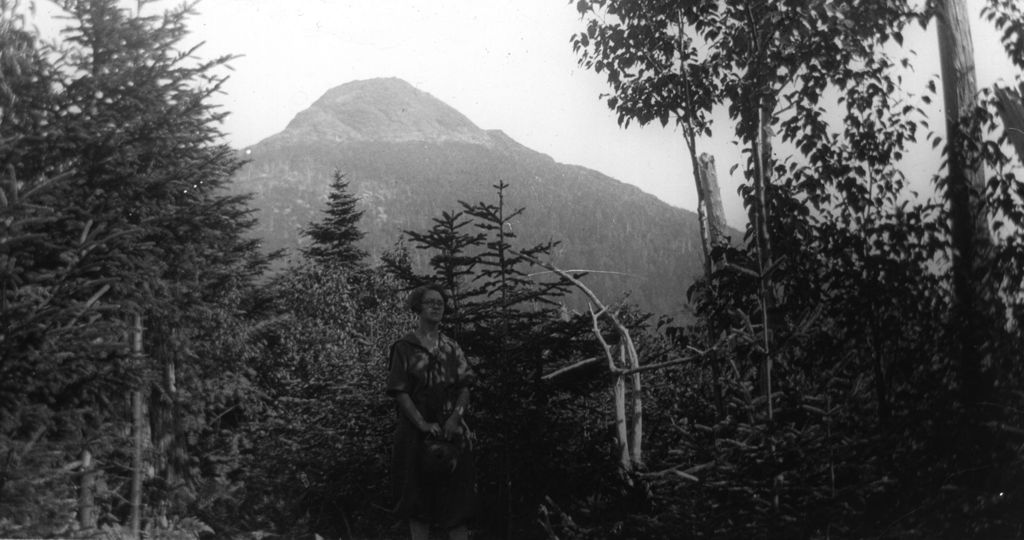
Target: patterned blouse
(432,379)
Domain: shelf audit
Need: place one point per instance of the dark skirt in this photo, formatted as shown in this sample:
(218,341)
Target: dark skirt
(448,501)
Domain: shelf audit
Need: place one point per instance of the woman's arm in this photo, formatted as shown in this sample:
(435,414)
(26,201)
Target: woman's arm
(454,423)
(410,411)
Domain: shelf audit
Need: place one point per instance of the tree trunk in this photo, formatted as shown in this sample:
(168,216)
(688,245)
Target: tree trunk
(636,420)
(138,437)
(175,457)
(163,415)
(621,435)
(713,234)
(709,209)
(964,191)
(761,149)
(636,452)
(710,212)
(709,199)
(86,494)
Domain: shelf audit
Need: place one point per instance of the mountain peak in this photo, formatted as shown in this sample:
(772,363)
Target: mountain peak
(383,110)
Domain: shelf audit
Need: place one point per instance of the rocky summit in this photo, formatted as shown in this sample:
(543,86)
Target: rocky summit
(408,157)
(380,110)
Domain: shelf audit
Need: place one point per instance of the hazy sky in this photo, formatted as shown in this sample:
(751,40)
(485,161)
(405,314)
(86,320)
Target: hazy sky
(506,65)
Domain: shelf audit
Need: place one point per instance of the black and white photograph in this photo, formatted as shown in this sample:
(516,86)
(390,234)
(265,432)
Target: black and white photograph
(512,270)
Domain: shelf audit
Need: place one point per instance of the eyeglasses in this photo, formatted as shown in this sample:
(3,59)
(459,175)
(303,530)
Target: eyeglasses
(433,302)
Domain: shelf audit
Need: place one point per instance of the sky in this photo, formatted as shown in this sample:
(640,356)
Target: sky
(506,65)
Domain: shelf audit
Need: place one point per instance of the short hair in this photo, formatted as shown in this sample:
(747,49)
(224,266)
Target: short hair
(414,302)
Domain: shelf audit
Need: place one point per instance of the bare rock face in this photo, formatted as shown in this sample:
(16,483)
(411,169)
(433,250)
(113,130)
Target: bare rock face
(409,156)
(382,110)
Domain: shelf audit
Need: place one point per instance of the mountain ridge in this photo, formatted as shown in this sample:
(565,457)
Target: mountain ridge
(408,157)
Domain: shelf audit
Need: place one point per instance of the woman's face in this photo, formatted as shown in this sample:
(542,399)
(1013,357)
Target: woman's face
(432,306)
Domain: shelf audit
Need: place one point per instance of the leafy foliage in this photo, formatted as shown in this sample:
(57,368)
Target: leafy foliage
(316,425)
(265,409)
(865,430)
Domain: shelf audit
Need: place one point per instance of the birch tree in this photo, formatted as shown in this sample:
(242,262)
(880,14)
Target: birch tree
(836,259)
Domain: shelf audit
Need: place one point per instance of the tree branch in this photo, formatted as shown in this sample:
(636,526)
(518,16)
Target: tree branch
(567,369)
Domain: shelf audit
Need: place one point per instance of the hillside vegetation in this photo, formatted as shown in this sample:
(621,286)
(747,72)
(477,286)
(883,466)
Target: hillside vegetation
(408,157)
(851,367)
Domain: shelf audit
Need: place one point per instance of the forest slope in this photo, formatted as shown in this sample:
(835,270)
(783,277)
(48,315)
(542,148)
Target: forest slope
(409,156)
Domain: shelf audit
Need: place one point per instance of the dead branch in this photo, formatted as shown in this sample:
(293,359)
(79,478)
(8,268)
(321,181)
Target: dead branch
(600,338)
(677,470)
(660,365)
(585,271)
(570,368)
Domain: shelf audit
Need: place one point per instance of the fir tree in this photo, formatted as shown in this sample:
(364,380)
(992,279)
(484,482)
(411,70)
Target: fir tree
(335,237)
(507,321)
(453,263)
(114,175)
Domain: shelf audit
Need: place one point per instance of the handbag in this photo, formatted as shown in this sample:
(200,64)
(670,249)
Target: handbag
(439,457)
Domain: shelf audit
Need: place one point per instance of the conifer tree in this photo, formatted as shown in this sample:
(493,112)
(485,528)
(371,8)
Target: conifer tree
(114,169)
(334,238)
(51,331)
(507,322)
(453,264)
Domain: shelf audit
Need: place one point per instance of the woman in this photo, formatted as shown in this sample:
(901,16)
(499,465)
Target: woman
(430,379)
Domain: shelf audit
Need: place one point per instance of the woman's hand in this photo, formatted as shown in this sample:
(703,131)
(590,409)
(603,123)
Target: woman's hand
(452,428)
(430,428)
